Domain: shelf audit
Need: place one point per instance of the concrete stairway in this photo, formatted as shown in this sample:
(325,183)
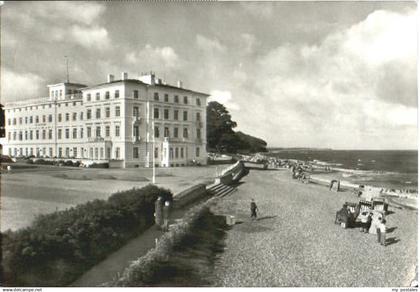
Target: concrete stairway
(220,190)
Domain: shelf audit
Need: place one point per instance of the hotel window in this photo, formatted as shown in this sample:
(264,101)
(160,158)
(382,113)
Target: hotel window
(185,99)
(50,134)
(117,131)
(171,153)
(88,132)
(156,152)
(107,112)
(136,94)
(36,134)
(74,133)
(135,152)
(81,116)
(176,112)
(185,133)
(107,95)
(67,104)
(88,97)
(9,121)
(197,151)
(26,120)
(198,102)
(176,152)
(14,136)
(117,94)
(156,113)
(98,113)
(74,103)
(176,99)
(176,132)
(81,132)
(26,135)
(117,111)
(166,97)
(117,153)
(185,116)
(166,132)
(50,118)
(166,114)
(51,152)
(67,117)
(67,134)
(36,119)
(136,132)
(107,131)
(44,134)
(21,135)
(156,132)
(30,135)
(198,133)
(135,111)
(59,118)
(74,116)
(67,152)
(30,120)
(74,151)
(182,152)
(98,96)
(60,152)
(156,96)
(98,131)
(20,121)
(88,114)
(198,117)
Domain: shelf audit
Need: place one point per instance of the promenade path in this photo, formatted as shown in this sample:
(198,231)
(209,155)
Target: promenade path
(295,242)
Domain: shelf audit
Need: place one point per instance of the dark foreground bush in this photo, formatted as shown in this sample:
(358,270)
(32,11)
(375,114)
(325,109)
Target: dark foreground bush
(57,248)
(99,165)
(183,257)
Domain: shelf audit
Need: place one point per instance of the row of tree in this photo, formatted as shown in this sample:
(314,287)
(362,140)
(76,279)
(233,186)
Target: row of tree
(222,138)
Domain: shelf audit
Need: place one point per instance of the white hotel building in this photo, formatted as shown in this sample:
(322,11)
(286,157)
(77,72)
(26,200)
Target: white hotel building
(132,122)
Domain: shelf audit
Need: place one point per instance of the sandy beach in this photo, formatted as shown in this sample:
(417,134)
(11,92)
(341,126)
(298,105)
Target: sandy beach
(295,242)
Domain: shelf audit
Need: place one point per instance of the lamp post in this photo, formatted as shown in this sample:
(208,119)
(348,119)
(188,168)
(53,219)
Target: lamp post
(153,153)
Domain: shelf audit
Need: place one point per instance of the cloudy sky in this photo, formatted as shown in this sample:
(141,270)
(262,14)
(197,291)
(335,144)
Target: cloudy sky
(297,74)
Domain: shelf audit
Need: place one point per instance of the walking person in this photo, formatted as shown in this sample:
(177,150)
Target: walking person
(382,232)
(253,209)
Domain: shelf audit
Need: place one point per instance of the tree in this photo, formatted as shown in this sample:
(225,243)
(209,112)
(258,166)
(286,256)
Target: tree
(219,125)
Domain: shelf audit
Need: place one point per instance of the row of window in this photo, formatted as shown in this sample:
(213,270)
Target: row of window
(156,114)
(176,98)
(116,94)
(69,152)
(29,120)
(56,93)
(75,133)
(43,106)
(175,133)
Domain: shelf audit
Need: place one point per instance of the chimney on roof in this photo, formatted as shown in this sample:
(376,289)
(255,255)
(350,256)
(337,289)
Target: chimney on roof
(124,76)
(179,83)
(110,78)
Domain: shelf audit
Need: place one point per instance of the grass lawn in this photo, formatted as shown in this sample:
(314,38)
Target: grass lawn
(27,192)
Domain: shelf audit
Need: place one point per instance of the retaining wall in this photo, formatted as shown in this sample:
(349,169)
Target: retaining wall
(189,195)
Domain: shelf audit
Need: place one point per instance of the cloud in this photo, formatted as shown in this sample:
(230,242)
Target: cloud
(225,98)
(90,37)
(344,86)
(18,86)
(209,45)
(151,57)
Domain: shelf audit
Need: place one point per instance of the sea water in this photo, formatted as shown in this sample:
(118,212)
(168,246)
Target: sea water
(395,169)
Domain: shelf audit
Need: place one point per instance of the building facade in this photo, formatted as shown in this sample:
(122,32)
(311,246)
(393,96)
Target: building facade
(139,122)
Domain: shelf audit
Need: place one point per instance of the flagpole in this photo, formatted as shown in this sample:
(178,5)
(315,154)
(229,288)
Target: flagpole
(153,154)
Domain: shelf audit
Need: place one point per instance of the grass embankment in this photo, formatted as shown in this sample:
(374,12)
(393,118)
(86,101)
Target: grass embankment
(183,257)
(57,248)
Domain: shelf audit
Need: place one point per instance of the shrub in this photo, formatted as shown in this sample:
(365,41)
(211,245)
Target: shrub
(59,247)
(99,165)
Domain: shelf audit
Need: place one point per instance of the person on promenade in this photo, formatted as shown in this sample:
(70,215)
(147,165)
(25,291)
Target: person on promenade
(382,232)
(158,211)
(253,209)
(366,221)
(166,215)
